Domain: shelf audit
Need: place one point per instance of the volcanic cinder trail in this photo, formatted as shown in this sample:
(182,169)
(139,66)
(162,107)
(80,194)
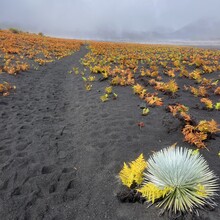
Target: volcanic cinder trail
(61,148)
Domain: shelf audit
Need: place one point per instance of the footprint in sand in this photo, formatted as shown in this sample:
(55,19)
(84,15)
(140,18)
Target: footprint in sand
(48,169)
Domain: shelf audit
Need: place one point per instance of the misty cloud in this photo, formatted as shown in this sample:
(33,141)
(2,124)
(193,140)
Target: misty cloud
(80,18)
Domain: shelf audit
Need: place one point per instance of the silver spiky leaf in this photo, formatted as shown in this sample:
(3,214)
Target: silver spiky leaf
(184,172)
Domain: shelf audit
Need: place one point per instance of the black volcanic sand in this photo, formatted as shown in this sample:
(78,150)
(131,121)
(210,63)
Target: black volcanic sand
(61,148)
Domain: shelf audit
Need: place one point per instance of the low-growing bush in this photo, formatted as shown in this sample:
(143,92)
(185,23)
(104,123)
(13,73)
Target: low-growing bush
(14,30)
(176,179)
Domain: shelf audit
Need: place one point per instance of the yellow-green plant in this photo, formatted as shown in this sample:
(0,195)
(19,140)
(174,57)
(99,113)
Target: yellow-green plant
(88,87)
(207,102)
(91,78)
(170,87)
(115,96)
(76,70)
(208,126)
(138,89)
(104,98)
(108,89)
(84,79)
(201,91)
(151,192)
(217,106)
(133,172)
(145,111)
(154,100)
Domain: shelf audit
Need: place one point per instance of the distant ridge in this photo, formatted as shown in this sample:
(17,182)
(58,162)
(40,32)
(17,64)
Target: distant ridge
(201,30)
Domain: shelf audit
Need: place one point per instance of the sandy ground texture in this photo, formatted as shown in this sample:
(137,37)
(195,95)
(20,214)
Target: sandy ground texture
(61,148)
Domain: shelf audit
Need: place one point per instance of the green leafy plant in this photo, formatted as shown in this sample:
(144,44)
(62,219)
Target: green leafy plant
(84,79)
(115,96)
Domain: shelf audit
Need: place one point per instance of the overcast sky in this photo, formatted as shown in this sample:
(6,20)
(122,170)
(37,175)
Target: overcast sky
(66,17)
